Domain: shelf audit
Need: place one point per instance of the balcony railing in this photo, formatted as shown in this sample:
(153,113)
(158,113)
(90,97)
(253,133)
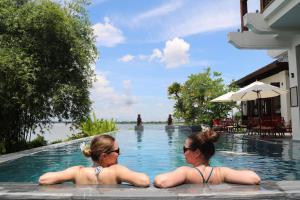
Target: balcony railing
(264,4)
(244,9)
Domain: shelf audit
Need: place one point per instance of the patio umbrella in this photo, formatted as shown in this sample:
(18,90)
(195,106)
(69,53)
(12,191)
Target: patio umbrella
(257,90)
(224,98)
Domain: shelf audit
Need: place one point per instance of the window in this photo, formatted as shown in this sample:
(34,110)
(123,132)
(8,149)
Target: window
(294,96)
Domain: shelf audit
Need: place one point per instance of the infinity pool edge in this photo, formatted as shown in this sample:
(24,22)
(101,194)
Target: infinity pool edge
(12,156)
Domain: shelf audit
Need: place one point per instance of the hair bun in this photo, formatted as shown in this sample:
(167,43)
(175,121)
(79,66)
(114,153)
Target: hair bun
(87,152)
(210,136)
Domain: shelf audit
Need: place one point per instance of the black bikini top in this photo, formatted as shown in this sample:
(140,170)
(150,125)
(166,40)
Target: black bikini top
(205,181)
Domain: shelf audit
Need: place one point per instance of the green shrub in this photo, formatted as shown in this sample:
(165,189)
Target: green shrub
(75,136)
(2,148)
(56,141)
(23,145)
(37,142)
(93,126)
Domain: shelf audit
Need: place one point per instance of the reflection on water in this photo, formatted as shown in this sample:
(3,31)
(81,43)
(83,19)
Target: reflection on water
(139,135)
(170,133)
(275,159)
(156,150)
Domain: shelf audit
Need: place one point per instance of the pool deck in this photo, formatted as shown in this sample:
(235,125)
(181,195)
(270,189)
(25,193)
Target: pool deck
(267,190)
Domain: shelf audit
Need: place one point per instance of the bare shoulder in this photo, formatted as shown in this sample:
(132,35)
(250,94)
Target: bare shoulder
(186,171)
(77,170)
(74,169)
(240,176)
(114,169)
(79,167)
(118,167)
(184,168)
(224,170)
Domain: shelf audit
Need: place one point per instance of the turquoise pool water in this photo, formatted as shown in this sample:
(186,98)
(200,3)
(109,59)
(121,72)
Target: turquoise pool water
(155,151)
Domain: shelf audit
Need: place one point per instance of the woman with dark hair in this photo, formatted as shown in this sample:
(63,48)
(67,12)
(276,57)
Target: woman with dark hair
(198,149)
(104,151)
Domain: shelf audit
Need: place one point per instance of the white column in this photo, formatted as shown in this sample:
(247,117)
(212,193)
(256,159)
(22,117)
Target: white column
(294,68)
(285,98)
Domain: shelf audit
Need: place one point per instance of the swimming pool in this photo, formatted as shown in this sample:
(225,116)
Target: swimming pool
(155,151)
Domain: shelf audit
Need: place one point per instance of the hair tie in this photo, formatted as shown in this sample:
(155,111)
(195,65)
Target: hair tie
(83,146)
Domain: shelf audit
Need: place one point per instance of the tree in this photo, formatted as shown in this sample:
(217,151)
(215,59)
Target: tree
(192,99)
(46,50)
(174,92)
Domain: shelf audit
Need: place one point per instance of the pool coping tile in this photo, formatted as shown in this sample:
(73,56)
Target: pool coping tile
(267,190)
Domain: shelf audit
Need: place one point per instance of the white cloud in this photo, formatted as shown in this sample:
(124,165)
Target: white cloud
(181,18)
(129,99)
(175,53)
(143,57)
(107,34)
(105,95)
(159,11)
(109,102)
(215,15)
(127,58)
(156,54)
(212,16)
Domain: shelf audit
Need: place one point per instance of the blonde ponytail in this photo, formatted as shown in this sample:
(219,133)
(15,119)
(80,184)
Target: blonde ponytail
(87,152)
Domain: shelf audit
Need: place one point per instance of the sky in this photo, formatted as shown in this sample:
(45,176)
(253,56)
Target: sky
(144,46)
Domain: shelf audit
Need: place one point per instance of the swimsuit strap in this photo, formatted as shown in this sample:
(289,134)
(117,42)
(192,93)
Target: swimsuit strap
(200,174)
(205,181)
(212,169)
(98,170)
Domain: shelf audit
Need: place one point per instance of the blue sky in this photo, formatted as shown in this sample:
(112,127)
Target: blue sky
(144,46)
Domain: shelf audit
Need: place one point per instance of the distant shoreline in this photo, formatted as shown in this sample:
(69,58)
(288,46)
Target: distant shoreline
(123,122)
(150,122)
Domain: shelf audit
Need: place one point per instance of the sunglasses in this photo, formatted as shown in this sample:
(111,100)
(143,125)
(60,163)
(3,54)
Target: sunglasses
(185,149)
(116,151)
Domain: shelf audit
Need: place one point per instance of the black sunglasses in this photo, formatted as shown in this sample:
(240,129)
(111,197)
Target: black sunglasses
(185,149)
(116,151)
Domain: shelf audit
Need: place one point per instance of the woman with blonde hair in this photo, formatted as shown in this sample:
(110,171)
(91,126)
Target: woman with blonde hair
(104,151)
(198,149)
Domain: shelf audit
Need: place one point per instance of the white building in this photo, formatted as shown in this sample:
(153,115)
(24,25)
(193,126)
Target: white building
(275,28)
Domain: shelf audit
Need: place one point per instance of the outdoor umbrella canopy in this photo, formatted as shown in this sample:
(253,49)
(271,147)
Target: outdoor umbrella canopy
(257,90)
(224,98)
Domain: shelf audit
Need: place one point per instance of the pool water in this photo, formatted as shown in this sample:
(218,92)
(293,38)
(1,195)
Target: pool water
(155,151)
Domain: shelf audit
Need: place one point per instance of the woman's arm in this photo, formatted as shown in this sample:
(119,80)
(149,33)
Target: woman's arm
(240,176)
(135,178)
(171,179)
(59,177)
